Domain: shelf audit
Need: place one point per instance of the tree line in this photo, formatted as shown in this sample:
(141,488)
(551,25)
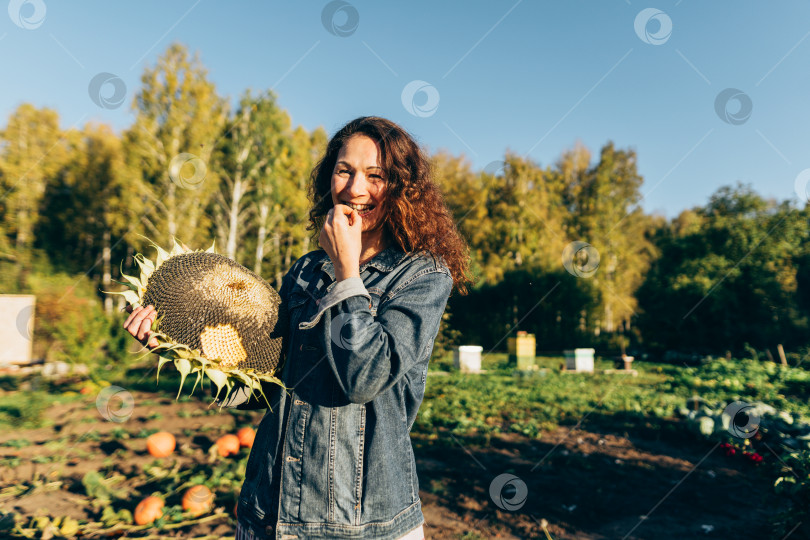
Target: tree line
(564,251)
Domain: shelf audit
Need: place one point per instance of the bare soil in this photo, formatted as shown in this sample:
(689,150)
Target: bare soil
(583,483)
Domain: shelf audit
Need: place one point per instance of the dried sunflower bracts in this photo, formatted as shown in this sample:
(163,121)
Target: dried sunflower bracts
(216,318)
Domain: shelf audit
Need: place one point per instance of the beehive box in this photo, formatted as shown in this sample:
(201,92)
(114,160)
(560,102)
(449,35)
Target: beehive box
(522,350)
(579,360)
(16,330)
(467,358)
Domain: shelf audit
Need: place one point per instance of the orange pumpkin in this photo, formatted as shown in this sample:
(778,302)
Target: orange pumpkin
(227,445)
(160,444)
(246,436)
(198,500)
(148,510)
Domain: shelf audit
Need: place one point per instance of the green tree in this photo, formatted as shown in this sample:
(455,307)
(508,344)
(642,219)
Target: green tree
(248,160)
(604,210)
(89,209)
(729,274)
(179,117)
(32,150)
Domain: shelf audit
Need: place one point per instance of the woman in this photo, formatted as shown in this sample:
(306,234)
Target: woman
(333,459)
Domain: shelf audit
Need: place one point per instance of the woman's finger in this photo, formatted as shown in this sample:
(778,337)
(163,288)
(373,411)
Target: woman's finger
(345,209)
(142,314)
(136,312)
(133,312)
(137,317)
(145,328)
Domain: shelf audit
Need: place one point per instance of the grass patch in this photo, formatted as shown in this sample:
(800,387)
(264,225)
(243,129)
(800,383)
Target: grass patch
(503,400)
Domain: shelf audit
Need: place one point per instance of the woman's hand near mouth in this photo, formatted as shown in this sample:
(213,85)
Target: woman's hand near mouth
(341,239)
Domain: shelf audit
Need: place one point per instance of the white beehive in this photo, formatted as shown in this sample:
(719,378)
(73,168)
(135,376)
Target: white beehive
(16,330)
(467,358)
(579,360)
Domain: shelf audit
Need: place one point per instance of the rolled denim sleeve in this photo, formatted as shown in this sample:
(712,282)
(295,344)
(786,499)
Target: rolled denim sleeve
(369,355)
(343,289)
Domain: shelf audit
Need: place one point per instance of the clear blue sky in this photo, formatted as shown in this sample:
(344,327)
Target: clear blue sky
(528,76)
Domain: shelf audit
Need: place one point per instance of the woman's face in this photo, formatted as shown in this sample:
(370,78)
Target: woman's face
(357,180)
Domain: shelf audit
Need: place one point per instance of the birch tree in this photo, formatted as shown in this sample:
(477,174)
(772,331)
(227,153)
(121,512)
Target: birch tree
(255,143)
(179,117)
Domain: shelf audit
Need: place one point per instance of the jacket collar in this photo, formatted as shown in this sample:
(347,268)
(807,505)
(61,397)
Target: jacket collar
(384,261)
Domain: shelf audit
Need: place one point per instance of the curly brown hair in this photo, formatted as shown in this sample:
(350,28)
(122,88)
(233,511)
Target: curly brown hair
(416,217)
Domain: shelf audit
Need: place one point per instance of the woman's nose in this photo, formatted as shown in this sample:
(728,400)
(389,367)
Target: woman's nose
(357,184)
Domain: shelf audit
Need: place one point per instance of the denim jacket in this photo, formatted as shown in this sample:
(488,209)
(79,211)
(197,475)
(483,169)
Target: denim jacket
(333,458)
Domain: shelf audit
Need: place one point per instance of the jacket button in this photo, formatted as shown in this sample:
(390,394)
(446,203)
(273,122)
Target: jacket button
(269,529)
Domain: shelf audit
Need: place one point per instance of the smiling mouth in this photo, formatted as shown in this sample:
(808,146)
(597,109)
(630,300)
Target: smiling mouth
(362,209)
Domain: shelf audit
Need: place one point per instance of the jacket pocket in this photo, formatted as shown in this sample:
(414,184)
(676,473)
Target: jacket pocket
(296,305)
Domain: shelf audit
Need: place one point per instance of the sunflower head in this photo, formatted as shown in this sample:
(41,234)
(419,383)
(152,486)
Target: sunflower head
(216,318)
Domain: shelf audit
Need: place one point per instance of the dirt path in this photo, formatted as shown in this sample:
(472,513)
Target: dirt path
(589,485)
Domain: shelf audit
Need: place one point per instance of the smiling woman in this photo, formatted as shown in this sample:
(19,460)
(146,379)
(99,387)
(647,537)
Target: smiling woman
(333,457)
(372,160)
(358,191)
